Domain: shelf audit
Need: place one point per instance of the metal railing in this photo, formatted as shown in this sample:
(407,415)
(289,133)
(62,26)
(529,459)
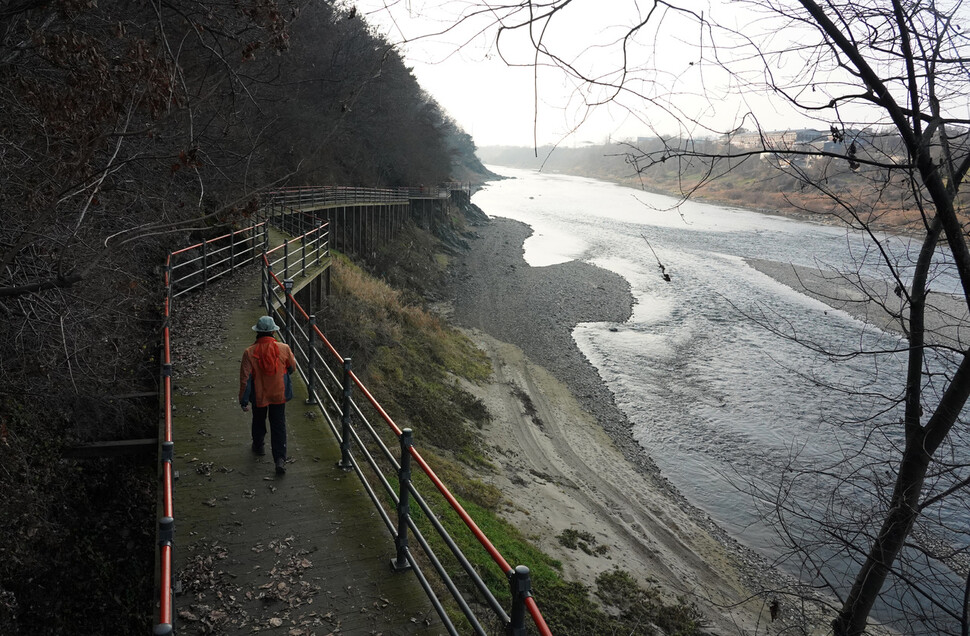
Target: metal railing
(166,522)
(303,197)
(293,221)
(195,266)
(457,186)
(425,192)
(192,268)
(187,269)
(330,381)
(293,257)
(320,196)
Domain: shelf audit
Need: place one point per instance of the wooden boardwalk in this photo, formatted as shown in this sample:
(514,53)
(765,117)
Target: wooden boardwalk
(298,554)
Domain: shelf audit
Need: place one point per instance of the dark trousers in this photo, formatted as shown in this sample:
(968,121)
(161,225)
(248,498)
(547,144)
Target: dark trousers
(277,428)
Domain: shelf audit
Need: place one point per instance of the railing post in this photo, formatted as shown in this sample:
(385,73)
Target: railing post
(267,277)
(303,250)
(311,360)
(521,585)
(345,462)
(170,284)
(288,300)
(232,253)
(163,629)
(166,541)
(320,239)
(205,268)
(400,563)
(168,447)
(286,257)
(253,236)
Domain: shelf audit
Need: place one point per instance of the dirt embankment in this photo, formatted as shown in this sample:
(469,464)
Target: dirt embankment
(566,457)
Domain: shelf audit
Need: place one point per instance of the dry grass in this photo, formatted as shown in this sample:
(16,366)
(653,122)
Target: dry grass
(410,359)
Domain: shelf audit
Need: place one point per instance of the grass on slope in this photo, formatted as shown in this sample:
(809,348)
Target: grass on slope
(411,362)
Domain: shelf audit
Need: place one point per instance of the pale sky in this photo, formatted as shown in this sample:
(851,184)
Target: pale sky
(496,103)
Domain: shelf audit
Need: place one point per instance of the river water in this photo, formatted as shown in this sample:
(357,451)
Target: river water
(716,397)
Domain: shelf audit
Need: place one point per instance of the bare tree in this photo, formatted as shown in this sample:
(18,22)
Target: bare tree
(119,127)
(885,81)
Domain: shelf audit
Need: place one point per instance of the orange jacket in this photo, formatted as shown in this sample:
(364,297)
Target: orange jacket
(264,374)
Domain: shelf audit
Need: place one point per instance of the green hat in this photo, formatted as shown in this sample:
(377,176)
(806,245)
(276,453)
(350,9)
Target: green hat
(265,325)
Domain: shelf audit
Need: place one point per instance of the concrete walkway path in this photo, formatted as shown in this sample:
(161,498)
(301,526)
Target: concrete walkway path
(297,554)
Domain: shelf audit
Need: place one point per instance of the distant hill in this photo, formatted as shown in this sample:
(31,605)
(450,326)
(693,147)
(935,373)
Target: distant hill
(600,162)
(764,184)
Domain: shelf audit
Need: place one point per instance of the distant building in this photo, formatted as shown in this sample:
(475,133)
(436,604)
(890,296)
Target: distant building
(778,140)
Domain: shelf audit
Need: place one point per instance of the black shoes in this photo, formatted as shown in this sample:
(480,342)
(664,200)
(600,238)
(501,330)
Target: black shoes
(280,463)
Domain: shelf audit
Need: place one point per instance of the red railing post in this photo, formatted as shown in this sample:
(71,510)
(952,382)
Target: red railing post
(168,500)
(166,538)
(169,283)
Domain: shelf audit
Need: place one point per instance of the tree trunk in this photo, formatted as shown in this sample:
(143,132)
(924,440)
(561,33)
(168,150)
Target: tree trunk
(903,511)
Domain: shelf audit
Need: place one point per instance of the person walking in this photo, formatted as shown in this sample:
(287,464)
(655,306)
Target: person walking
(264,380)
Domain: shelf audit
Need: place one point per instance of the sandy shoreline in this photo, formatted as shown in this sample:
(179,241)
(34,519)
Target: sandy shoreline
(566,454)
(871,301)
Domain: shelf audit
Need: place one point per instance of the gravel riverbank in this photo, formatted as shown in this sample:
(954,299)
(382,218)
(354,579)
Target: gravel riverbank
(566,454)
(537,308)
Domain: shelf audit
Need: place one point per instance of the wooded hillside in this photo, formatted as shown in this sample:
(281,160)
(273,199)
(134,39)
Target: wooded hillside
(128,129)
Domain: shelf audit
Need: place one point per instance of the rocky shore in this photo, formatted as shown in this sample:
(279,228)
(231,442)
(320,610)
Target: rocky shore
(537,308)
(567,457)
